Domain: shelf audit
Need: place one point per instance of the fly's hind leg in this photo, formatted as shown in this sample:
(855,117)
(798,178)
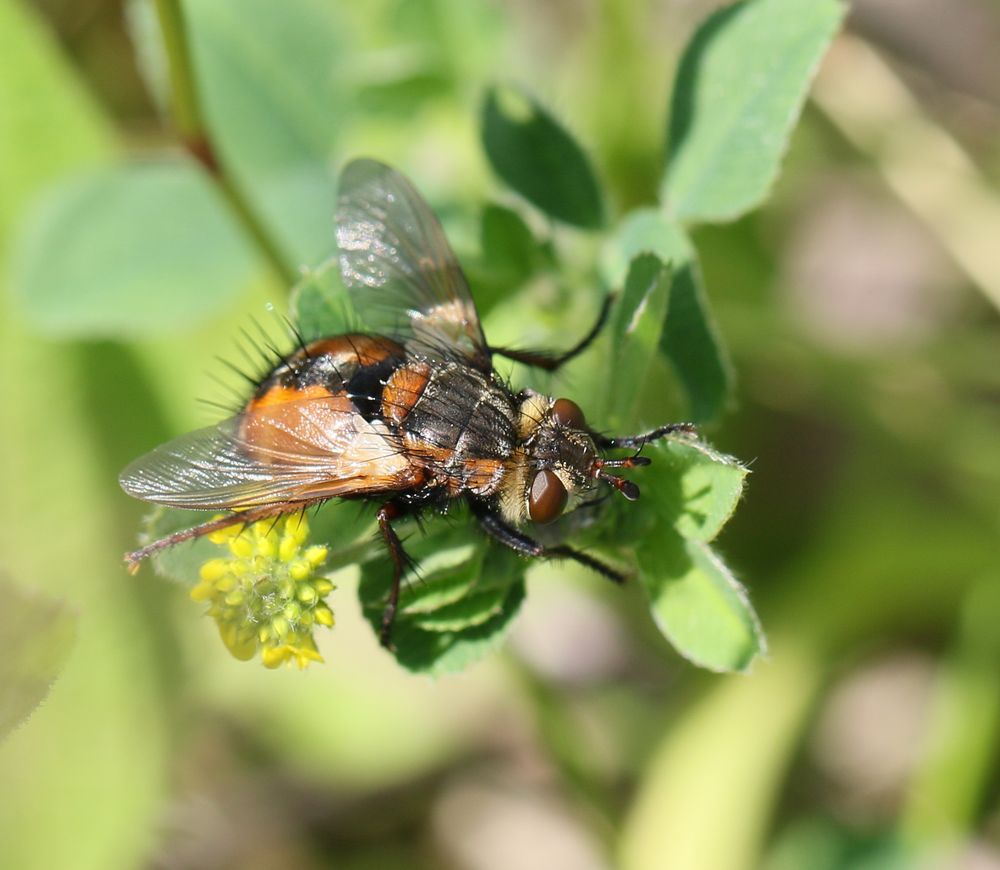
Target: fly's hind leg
(521,543)
(541,359)
(386,514)
(245,517)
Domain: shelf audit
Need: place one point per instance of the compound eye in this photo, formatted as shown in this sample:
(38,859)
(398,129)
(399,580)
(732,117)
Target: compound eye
(567,413)
(547,497)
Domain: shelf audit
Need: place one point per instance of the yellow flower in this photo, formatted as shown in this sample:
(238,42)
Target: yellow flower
(265,595)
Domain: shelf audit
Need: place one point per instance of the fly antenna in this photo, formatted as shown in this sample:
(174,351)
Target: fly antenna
(626,487)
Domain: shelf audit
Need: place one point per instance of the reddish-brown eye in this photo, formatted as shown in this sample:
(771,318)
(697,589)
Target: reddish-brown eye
(547,497)
(567,413)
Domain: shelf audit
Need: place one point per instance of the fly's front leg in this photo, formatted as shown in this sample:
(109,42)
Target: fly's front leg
(521,543)
(388,512)
(541,359)
(635,441)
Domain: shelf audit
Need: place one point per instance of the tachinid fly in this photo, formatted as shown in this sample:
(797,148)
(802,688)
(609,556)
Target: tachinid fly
(408,416)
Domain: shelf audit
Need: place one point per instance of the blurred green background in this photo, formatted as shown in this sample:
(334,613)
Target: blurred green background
(859,308)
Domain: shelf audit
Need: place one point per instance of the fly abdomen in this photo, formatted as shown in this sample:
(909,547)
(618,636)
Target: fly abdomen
(334,363)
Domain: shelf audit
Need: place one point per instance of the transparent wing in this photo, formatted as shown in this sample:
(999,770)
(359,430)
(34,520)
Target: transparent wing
(403,277)
(293,452)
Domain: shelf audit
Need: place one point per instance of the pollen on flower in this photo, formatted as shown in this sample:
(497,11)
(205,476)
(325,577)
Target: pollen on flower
(265,596)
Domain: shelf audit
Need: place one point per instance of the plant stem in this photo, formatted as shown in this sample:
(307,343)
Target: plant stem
(946,795)
(194,133)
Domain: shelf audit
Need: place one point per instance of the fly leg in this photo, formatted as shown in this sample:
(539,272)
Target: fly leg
(521,543)
(388,512)
(245,517)
(542,359)
(630,441)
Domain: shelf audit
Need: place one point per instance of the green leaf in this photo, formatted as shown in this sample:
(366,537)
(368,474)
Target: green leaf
(448,588)
(643,231)
(692,344)
(455,608)
(698,604)
(319,303)
(276,107)
(509,247)
(446,574)
(36,634)
(510,256)
(690,487)
(740,87)
(636,326)
(92,760)
(37,86)
(134,250)
(475,608)
(447,652)
(689,337)
(689,492)
(539,159)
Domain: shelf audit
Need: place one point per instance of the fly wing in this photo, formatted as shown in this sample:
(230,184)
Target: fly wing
(289,453)
(403,277)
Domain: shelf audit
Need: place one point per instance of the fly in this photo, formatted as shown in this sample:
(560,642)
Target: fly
(409,415)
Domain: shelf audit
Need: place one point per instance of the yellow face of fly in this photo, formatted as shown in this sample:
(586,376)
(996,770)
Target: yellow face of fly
(551,470)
